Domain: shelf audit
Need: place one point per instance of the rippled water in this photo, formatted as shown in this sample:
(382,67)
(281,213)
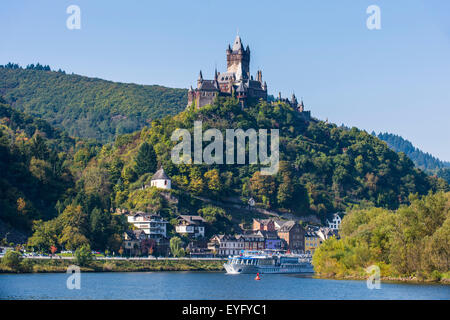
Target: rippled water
(202,285)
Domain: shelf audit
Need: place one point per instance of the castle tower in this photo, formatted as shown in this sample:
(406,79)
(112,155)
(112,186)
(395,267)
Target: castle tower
(191,96)
(238,59)
(301,107)
(259,76)
(200,79)
(294,102)
(241,94)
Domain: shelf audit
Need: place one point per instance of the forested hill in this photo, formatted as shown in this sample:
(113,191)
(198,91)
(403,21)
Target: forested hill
(33,159)
(323,168)
(72,185)
(422,160)
(87,107)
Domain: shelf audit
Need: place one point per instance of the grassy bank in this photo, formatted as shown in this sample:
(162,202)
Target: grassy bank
(441,278)
(57,265)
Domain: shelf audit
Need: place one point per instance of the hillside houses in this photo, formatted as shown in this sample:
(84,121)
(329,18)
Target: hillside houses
(335,222)
(153,225)
(150,234)
(192,226)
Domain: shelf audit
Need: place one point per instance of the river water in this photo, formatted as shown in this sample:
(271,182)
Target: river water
(203,285)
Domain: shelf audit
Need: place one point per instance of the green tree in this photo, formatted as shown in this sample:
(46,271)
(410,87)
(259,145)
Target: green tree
(12,259)
(145,160)
(83,255)
(176,247)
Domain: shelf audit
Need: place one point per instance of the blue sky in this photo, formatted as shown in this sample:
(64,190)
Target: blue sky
(396,79)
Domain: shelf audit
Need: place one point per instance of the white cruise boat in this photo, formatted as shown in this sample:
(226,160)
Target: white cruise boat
(268,262)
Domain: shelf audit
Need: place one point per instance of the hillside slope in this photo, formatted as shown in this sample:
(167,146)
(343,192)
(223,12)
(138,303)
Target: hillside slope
(422,160)
(323,169)
(33,163)
(87,107)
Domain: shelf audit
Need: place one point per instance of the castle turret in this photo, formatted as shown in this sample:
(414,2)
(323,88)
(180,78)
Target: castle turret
(301,107)
(191,96)
(200,79)
(259,76)
(241,94)
(227,83)
(238,59)
(294,102)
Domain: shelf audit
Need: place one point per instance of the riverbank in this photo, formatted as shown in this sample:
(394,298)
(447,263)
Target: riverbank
(111,265)
(445,279)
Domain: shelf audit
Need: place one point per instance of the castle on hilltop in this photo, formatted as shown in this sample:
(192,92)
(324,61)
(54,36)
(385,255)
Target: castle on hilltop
(236,81)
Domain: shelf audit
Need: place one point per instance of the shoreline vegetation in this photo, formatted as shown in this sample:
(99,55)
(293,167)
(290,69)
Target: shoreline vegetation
(113,265)
(411,243)
(163,264)
(394,279)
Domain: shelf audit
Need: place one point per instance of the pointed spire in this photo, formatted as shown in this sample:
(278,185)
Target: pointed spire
(237,44)
(215,74)
(301,107)
(200,76)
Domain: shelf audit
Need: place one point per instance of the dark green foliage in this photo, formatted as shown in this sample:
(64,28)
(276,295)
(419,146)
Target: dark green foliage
(323,168)
(34,169)
(218,221)
(145,160)
(422,160)
(444,174)
(12,259)
(411,241)
(83,255)
(87,107)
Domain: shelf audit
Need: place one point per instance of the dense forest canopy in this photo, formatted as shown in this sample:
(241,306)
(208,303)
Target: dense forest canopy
(87,107)
(323,169)
(33,159)
(422,160)
(65,190)
(413,241)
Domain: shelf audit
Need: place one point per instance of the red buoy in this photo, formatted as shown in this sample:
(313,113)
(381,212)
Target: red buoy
(257,277)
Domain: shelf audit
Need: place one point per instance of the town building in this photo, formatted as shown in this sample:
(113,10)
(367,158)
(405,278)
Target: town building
(335,221)
(312,241)
(253,240)
(153,225)
(326,233)
(226,245)
(263,225)
(161,180)
(272,241)
(199,249)
(293,234)
(132,241)
(192,226)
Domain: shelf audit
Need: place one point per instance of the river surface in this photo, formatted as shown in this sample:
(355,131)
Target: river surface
(203,285)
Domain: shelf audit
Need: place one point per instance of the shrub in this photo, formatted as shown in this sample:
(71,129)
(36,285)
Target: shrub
(83,255)
(12,259)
